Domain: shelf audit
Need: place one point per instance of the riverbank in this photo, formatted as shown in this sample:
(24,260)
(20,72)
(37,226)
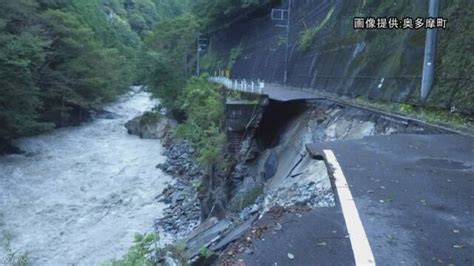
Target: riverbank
(183,213)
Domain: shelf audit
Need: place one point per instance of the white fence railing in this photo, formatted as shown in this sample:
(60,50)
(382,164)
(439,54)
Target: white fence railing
(240,85)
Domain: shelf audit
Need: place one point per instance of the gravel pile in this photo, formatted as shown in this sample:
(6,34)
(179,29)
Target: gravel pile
(310,194)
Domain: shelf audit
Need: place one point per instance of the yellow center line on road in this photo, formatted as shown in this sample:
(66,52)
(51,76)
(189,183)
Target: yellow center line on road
(360,243)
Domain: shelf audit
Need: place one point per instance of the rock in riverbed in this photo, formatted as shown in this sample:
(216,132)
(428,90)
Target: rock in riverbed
(151,125)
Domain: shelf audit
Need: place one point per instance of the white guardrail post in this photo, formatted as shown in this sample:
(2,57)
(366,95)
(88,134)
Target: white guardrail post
(242,85)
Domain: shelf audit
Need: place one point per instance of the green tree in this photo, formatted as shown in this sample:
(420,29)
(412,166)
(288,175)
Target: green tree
(204,109)
(21,53)
(170,59)
(141,252)
(214,14)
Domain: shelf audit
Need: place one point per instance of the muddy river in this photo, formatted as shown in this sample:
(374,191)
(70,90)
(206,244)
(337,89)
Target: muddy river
(79,194)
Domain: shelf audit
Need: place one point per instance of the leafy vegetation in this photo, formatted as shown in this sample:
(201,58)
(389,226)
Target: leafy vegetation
(204,109)
(425,113)
(178,252)
(204,252)
(212,61)
(218,14)
(141,253)
(307,36)
(146,251)
(169,60)
(143,15)
(150,118)
(12,258)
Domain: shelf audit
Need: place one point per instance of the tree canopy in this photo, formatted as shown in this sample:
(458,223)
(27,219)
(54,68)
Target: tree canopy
(58,55)
(218,13)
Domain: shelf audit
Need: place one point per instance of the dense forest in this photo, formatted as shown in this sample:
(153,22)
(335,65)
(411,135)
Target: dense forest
(59,58)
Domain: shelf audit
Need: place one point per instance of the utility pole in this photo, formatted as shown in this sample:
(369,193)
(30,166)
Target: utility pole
(198,55)
(200,47)
(284,15)
(430,54)
(287,51)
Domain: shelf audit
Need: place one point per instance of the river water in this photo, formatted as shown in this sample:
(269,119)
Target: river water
(80,193)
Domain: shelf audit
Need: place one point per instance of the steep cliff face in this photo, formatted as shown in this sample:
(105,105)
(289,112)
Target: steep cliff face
(326,53)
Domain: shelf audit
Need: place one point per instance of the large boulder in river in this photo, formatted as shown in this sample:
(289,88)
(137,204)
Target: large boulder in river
(150,125)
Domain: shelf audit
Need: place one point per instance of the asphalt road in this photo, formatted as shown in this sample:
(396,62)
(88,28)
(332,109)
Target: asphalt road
(414,195)
(286,93)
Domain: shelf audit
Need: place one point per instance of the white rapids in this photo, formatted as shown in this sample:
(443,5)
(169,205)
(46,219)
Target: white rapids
(81,193)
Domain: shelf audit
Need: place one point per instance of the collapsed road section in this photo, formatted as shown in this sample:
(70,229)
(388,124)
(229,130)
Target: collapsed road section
(281,199)
(411,185)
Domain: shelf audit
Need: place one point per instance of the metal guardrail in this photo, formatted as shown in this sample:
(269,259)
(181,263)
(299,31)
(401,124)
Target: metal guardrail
(240,85)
